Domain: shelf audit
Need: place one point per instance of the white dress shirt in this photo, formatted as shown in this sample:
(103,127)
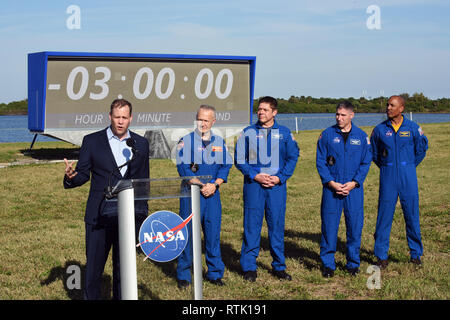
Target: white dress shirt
(122,153)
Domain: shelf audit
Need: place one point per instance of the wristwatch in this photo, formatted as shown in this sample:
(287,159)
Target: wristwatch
(357,184)
(217,185)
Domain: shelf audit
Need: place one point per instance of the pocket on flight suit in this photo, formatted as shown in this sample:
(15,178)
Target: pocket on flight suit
(253,195)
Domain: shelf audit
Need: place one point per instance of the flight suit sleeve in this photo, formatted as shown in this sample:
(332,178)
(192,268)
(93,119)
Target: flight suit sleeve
(321,159)
(225,167)
(420,145)
(374,146)
(83,168)
(241,158)
(183,158)
(366,160)
(292,154)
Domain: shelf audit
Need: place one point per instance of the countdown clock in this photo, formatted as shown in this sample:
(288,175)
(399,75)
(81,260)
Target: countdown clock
(74,90)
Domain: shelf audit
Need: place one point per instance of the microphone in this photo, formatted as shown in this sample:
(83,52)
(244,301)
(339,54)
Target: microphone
(132,144)
(109,194)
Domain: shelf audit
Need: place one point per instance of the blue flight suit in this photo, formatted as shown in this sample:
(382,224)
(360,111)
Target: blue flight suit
(397,154)
(342,161)
(275,152)
(212,159)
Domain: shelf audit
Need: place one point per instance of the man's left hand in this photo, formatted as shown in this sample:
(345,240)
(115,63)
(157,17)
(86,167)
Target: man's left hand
(347,187)
(208,190)
(271,181)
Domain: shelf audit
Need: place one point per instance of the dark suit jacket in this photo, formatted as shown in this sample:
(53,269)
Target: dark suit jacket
(96,162)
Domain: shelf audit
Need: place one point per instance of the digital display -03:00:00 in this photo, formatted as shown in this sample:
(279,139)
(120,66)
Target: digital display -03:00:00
(148,73)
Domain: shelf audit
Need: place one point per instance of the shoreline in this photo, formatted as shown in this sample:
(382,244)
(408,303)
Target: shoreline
(13,114)
(356,112)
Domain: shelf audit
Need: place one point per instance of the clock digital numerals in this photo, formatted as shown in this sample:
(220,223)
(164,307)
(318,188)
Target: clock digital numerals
(209,83)
(144,82)
(137,82)
(71,81)
(101,83)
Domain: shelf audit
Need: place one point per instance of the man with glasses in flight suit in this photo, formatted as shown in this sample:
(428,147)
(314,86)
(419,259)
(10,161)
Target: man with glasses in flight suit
(203,153)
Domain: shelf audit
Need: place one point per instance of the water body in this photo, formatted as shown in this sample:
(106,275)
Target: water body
(312,121)
(15,128)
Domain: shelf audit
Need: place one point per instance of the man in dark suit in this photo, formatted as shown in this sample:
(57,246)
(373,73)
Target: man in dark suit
(101,154)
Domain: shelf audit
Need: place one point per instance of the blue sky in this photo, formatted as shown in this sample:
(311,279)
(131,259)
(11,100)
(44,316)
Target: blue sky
(303,47)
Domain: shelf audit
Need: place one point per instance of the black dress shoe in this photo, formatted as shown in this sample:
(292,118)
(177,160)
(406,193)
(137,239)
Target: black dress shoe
(250,276)
(282,275)
(327,272)
(382,264)
(416,261)
(183,284)
(353,271)
(217,282)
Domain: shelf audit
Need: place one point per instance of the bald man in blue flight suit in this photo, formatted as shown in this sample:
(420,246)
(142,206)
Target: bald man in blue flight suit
(399,146)
(202,153)
(266,154)
(343,160)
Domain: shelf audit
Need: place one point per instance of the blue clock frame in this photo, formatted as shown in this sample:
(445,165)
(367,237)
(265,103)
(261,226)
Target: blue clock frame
(37,76)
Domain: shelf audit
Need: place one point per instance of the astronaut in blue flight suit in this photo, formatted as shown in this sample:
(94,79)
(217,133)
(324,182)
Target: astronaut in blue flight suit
(203,153)
(343,160)
(266,154)
(398,147)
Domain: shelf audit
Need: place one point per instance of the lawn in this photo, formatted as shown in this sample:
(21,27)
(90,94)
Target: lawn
(42,233)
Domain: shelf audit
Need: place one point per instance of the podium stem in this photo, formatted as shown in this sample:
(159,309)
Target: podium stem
(127,245)
(197,242)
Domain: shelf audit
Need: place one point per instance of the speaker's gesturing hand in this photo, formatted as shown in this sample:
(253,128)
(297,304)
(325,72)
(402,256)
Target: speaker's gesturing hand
(70,171)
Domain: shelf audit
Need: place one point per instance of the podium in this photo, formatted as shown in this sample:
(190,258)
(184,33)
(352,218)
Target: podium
(125,192)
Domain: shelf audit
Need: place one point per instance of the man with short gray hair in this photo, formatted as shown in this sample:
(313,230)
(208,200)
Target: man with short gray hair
(202,153)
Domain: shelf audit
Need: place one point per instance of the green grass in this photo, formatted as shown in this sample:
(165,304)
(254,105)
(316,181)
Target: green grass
(42,233)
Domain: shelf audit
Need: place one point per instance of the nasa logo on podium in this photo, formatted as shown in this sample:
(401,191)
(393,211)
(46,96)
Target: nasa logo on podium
(163,236)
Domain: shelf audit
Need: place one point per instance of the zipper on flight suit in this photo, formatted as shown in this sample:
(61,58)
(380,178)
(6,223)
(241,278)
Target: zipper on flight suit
(345,157)
(396,154)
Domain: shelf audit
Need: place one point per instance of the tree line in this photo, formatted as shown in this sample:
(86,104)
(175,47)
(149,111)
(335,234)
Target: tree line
(307,104)
(14,108)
